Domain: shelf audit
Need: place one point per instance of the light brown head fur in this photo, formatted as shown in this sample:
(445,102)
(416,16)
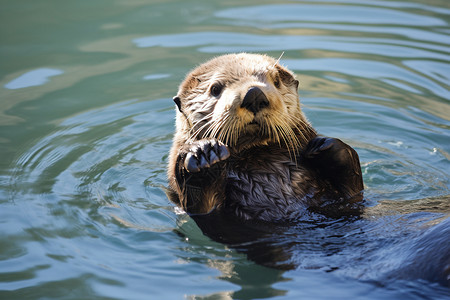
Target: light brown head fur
(211,96)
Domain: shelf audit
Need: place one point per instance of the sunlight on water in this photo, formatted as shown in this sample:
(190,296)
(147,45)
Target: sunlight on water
(87,118)
(32,78)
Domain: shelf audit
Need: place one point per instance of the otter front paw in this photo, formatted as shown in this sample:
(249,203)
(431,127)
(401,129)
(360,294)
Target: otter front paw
(203,154)
(325,151)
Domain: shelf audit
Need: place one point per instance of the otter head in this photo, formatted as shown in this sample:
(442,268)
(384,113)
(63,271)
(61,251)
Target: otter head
(243,100)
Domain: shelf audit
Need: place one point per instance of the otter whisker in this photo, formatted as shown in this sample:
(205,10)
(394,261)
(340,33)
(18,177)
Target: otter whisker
(301,128)
(284,133)
(276,131)
(195,134)
(219,133)
(278,60)
(197,131)
(231,132)
(219,125)
(215,125)
(227,134)
(200,129)
(290,146)
(216,131)
(237,132)
(234,132)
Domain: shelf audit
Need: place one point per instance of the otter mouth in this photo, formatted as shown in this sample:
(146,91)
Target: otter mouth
(253,127)
(254,131)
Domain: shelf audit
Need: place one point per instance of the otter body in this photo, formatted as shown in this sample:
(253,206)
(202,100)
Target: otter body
(243,146)
(245,161)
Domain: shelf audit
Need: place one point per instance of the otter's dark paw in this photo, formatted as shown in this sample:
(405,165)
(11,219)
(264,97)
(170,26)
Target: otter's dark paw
(203,154)
(326,150)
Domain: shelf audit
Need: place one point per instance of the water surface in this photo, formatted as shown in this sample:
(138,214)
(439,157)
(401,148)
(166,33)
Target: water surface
(86,121)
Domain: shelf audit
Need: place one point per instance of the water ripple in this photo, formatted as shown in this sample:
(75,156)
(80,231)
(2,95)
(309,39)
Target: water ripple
(33,78)
(103,155)
(236,42)
(329,14)
(83,204)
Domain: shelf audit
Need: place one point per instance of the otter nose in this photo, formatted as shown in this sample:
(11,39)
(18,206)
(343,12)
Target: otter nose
(255,100)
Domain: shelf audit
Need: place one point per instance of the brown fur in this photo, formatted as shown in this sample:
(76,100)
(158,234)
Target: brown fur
(265,146)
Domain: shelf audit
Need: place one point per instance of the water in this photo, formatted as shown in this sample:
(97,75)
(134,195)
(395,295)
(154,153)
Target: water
(86,121)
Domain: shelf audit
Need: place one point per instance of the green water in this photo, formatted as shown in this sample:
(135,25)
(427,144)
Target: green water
(86,121)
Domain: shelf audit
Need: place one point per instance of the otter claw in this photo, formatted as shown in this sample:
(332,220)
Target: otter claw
(203,154)
(191,163)
(223,152)
(213,158)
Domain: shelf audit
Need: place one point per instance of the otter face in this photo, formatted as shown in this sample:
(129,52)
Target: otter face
(242,100)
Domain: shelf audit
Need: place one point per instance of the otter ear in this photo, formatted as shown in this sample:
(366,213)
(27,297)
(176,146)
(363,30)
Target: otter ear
(177,101)
(287,77)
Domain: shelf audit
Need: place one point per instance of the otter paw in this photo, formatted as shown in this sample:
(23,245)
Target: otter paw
(204,153)
(327,150)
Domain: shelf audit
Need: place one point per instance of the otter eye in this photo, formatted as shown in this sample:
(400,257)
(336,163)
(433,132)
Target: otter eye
(216,89)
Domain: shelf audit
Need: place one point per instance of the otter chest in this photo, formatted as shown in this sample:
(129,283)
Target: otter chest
(267,187)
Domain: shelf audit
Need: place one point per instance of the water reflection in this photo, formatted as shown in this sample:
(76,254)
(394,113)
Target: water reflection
(345,248)
(33,78)
(84,144)
(237,42)
(329,13)
(429,82)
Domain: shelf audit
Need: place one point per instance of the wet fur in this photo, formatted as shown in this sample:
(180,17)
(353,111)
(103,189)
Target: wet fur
(266,164)
(264,183)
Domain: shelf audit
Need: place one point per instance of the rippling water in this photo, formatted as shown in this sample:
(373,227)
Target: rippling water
(86,121)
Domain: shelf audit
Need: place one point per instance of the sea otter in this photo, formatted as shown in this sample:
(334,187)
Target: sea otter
(244,148)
